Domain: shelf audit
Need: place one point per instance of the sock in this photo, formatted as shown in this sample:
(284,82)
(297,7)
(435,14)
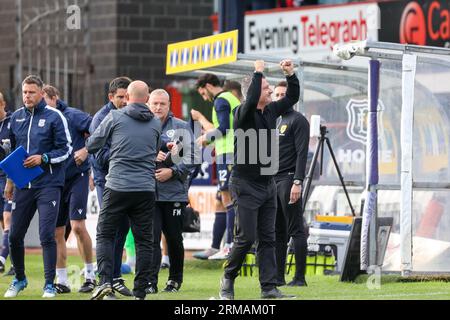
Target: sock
(165,259)
(5,250)
(130,249)
(89,273)
(220,224)
(230,224)
(2,260)
(61,273)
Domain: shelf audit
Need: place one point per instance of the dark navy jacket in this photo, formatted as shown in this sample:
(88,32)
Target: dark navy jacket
(100,160)
(4,134)
(43,130)
(79,123)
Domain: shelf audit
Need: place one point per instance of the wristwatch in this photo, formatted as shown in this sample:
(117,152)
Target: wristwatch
(297,182)
(44,158)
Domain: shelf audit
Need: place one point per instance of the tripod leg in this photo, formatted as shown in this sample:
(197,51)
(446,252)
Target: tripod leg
(290,245)
(311,173)
(321,157)
(340,175)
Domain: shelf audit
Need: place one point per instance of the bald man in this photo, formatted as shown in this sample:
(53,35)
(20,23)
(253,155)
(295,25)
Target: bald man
(134,133)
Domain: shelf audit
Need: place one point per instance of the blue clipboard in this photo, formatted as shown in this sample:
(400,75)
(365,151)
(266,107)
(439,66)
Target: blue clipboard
(14,169)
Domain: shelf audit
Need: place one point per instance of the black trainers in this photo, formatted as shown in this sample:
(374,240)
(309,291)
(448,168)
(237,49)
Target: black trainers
(118,285)
(2,267)
(226,289)
(172,286)
(298,283)
(280,283)
(151,289)
(101,291)
(61,288)
(88,286)
(11,272)
(275,294)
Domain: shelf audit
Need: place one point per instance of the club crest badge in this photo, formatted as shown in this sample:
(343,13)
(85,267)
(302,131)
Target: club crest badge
(358,115)
(170,133)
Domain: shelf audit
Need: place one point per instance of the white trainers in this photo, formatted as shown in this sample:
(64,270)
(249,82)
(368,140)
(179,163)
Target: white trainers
(222,254)
(49,291)
(204,255)
(15,287)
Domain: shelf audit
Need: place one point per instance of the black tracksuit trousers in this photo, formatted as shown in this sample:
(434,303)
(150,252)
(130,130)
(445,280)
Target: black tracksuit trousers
(255,206)
(169,220)
(289,223)
(139,207)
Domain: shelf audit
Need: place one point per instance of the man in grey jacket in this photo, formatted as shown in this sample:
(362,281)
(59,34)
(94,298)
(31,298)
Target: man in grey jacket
(172,189)
(134,133)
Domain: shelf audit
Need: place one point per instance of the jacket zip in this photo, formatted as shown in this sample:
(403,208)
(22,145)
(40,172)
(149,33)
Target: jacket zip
(28,138)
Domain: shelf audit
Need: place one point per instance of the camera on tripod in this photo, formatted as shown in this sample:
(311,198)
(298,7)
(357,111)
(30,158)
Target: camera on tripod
(316,129)
(320,131)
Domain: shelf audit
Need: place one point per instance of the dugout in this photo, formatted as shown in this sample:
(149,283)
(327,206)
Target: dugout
(417,198)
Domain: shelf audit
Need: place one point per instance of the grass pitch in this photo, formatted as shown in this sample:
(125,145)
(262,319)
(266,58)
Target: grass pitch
(201,282)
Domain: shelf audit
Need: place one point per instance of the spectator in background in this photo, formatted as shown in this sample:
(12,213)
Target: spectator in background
(235,88)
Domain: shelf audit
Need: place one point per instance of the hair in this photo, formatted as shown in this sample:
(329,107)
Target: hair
(210,78)
(160,92)
(245,84)
(232,85)
(119,83)
(51,91)
(33,79)
(282,84)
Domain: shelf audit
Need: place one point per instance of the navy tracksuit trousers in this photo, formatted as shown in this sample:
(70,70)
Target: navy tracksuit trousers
(25,203)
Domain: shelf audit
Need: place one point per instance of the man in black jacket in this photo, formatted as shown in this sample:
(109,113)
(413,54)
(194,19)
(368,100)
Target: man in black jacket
(252,185)
(293,129)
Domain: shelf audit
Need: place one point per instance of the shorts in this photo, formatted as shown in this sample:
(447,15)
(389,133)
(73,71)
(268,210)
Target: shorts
(224,165)
(74,199)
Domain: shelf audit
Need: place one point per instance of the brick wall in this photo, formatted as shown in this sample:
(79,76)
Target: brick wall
(7,47)
(126,37)
(146,27)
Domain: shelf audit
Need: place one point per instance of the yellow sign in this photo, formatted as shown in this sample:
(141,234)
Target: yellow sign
(202,52)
